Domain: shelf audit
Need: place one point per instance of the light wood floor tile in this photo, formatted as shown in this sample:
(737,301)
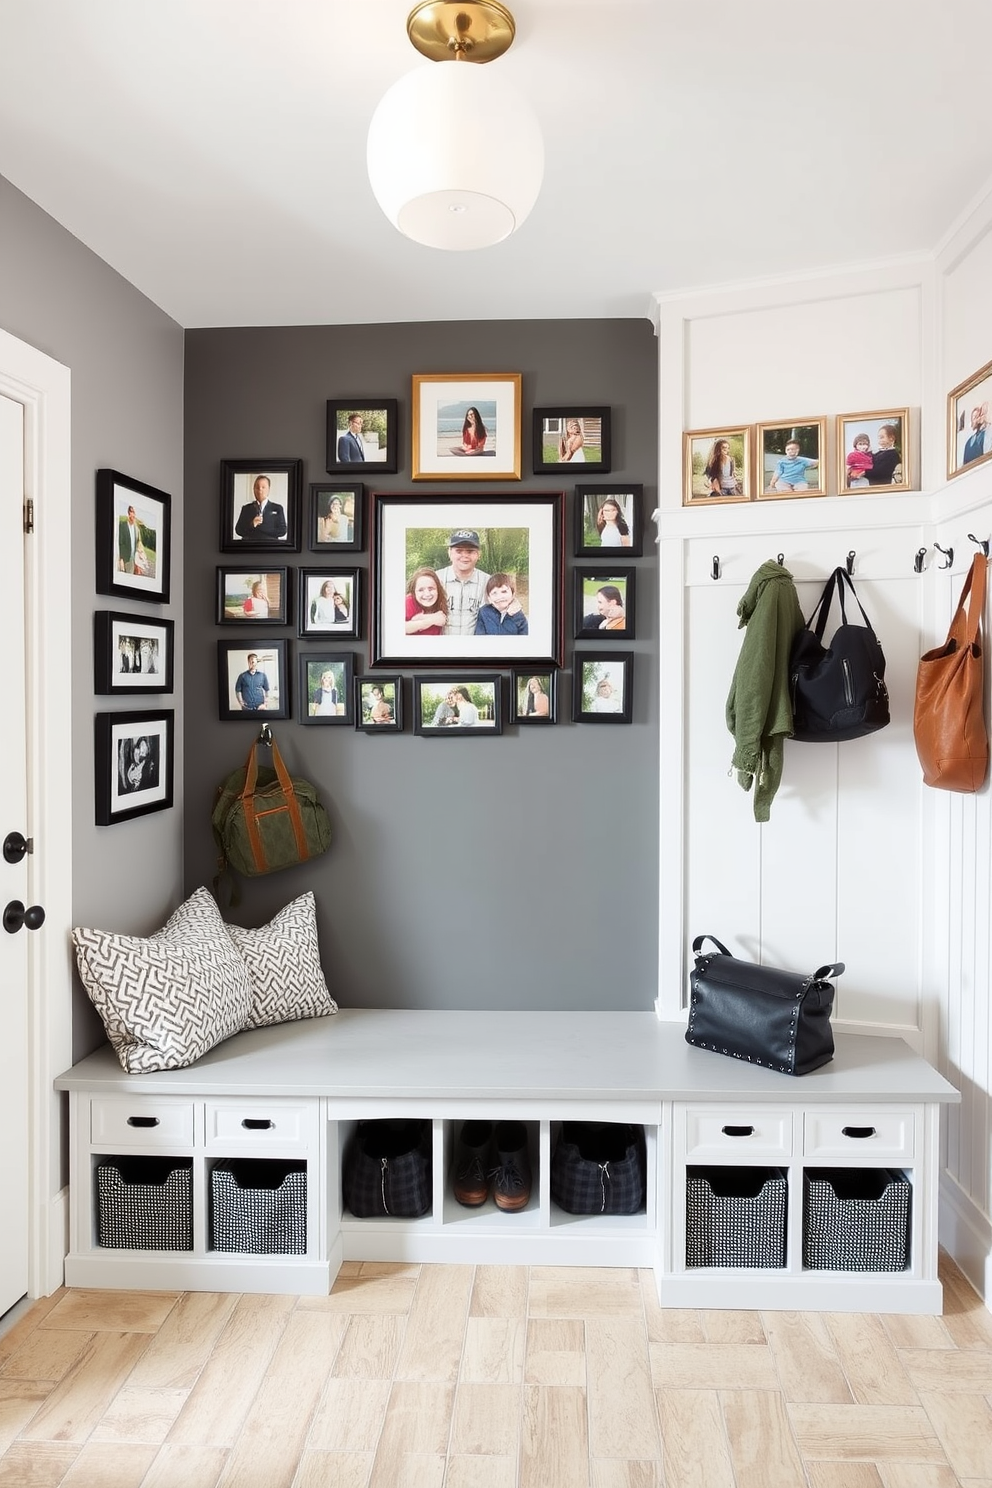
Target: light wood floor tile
(964,1425)
(762,1448)
(41,1465)
(676,1325)
(485,1420)
(946,1373)
(843,1475)
(408,1470)
(19,1401)
(373,1293)
(435,1334)
(111,1312)
(499,1292)
(554,1447)
(183,1344)
(186,1467)
(583,1291)
(222,1396)
(334,1470)
(556,1352)
(694,1443)
(873,1367)
(808,1366)
(908,1331)
(610,1473)
(136,1415)
(350,1416)
(370,1347)
(481,1472)
(912,1475)
(622,1421)
(381,1269)
(871,1433)
(76,1404)
(494,1351)
(121,1466)
(713,1366)
(418,1420)
(720,1326)
(46,1354)
(17,1333)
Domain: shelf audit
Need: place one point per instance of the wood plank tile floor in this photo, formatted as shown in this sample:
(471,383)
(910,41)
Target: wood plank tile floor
(411,1376)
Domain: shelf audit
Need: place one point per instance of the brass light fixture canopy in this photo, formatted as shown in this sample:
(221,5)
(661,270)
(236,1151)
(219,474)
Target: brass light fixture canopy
(462,31)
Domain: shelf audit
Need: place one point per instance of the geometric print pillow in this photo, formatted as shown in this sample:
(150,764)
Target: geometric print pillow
(167,998)
(282,960)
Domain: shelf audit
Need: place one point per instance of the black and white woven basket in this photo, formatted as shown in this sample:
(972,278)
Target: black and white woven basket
(597,1167)
(145,1203)
(259,1207)
(388,1169)
(735,1216)
(856,1219)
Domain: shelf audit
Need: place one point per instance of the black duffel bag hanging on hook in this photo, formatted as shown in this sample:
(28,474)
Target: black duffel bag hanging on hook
(838,691)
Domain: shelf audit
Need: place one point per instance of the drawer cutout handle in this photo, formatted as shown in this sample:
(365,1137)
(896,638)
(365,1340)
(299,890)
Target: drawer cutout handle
(142,1121)
(738,1131)
(257,1123)
(858,1131)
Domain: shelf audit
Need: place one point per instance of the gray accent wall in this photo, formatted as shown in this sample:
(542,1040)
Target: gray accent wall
(518,871)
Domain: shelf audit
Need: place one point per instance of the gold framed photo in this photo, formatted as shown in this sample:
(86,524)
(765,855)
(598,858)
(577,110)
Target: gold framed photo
(466,427)
(969,421)
(873,451)
(791,458)
(716,466)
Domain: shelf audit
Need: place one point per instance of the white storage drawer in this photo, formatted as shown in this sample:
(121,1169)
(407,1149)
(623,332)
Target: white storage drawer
(869,1133)
(141,1122)
(725,1134)
(282,1126)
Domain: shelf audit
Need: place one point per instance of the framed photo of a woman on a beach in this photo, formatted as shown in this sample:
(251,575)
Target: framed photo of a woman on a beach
(466,428)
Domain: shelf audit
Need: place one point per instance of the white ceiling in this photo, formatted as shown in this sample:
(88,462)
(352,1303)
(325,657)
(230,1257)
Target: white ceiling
(213,151)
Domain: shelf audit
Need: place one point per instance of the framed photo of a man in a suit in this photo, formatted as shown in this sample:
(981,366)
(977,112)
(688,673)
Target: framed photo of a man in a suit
(133,538)
(361,436)
(260,505)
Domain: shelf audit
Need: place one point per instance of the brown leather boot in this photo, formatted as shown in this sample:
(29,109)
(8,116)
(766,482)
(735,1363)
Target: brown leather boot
(511,1176)
(473,1159)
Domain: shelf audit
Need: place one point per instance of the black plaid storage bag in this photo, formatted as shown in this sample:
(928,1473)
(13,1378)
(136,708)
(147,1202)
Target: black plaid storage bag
(387,1169)
(598,1168)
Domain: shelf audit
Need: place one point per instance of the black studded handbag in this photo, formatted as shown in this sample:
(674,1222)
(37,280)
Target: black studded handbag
(779,1019)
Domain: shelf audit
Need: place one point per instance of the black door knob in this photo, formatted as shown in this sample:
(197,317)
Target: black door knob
(15,915)
(15,846)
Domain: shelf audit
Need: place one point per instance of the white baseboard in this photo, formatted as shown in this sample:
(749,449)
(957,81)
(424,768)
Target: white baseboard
(966,1234)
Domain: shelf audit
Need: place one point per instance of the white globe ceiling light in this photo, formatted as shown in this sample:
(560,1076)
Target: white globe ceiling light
(455,157)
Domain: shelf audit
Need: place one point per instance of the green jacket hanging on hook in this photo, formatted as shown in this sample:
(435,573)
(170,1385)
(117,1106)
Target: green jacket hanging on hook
(759,708)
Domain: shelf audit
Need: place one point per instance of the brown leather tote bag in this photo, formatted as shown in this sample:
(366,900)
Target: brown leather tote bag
(949,713)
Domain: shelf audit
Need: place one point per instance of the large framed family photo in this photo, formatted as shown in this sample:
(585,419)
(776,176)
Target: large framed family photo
(969,421)
(131,654)
(133,538)
(872,451)
(466,427)
(134,764)
(260,505)
(461,581)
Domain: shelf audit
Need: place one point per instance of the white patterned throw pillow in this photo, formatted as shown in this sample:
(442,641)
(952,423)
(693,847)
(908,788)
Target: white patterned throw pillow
(166,998)
(282,960)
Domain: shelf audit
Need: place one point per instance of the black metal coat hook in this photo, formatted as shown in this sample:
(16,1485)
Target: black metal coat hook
(948,554)
(781,558)
(921,554)
(982,543)
(850,561)
(716,566)
(265,737)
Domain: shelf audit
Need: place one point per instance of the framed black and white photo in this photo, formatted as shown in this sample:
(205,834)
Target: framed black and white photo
(602,687)
(608,521)
(134,764)
(256,595)
(534,696)
(361,436)
(336,520)
(467,581)
(467,707)
(133,538)
(603,603)
(379,704)
(329,602)
(571,436)
(326,687)
(253,680)
(131,654)
(260,505)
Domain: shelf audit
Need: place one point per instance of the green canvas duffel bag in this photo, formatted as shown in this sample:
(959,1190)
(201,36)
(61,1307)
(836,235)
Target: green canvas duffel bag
(265,819)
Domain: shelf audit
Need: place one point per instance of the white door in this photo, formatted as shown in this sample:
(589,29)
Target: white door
(14,875)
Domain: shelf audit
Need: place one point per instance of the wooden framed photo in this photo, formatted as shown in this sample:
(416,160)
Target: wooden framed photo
(361,436)
(470,706)
(131,654)
(133,538)
(466,427)
(602,687)
(253,596)
(134,764)
(716,466)
(571,436)
(253,680)
(792,458)
(467,582)
(260,505)
(379,704)
(336,519)
(534,696)
(603,602)
(608,517)
(327,687)
(969,421)
(329,602)
(872,451)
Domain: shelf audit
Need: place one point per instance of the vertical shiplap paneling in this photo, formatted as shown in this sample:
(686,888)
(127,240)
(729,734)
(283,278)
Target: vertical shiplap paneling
(955,1010)
(981,1189)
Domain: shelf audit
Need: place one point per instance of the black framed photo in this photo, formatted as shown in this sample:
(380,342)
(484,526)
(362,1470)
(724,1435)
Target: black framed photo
(260,505)
(361,436)
(253,596)
(603,600)
(379,704)
(336,519)
(329,602)
(602,686)
(131,654)
(470,706)
(253,680)
(534,696)
(467,581)
(579,437)
(133,538)
(134,764)
(608,521)
(326,687)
